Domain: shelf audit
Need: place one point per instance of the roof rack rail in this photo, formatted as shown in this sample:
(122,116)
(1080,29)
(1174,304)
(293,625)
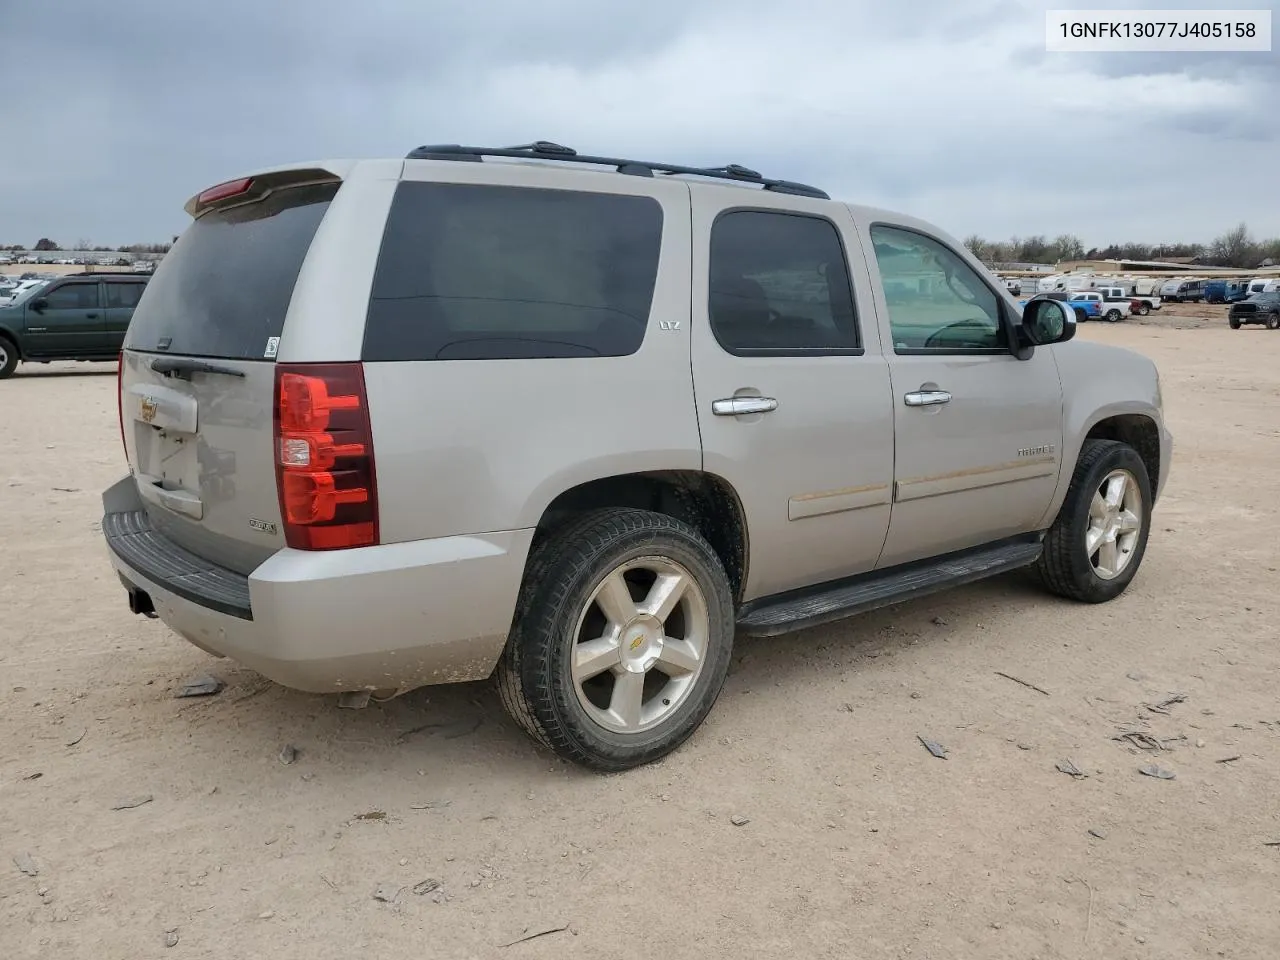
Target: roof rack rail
(546,150)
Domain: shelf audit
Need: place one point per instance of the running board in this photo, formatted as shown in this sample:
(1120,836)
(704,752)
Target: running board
(800,609)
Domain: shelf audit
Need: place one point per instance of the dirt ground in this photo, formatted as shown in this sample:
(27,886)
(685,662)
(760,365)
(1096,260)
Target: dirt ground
(858,842)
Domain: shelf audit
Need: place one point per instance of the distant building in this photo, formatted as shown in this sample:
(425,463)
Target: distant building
(1170,265)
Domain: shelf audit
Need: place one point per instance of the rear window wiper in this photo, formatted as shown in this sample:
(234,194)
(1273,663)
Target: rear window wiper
(178,367)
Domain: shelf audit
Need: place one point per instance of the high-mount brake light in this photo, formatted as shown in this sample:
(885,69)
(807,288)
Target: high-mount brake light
(324,457)
(232,188)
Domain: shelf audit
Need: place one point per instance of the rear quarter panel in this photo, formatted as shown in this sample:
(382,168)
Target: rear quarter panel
(471,446)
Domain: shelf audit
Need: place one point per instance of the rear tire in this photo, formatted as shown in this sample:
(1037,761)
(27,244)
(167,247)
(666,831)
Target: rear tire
(8,358)
(1113,316)
(1096,544)
(598,666)
(1143,310)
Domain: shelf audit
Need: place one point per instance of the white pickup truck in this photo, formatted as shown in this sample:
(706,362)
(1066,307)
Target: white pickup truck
(1139,304)
(1110,309)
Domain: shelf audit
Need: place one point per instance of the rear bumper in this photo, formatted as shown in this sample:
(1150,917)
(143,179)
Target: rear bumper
(390,617)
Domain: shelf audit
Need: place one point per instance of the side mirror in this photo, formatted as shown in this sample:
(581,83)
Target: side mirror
(39,305)
(1048,321)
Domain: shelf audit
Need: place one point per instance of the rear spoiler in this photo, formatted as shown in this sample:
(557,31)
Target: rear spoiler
(251,189)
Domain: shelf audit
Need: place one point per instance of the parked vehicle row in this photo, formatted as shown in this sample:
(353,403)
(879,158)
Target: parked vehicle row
(1087,305)
(1149,293)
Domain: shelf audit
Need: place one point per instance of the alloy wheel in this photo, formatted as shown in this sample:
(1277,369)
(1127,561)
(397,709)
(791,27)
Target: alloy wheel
(1115,524)
(640,644)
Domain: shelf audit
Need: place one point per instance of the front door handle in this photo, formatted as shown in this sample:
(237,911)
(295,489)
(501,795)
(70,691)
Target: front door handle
(91,316)
(927,398)
(738,406)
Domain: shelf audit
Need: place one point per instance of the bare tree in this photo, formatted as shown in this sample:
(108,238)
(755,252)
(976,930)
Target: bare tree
(1235,248)
(978,247)
(1067,246)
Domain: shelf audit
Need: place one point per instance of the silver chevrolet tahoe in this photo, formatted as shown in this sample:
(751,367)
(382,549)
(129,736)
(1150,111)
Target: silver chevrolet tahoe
(574,422)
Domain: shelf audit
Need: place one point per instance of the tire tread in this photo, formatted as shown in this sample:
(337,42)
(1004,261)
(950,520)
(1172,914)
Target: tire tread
(525,673)
(1058,568)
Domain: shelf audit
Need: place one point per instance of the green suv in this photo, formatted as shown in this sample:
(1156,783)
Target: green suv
(80,317)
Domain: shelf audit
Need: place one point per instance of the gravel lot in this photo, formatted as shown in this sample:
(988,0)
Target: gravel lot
(859,843)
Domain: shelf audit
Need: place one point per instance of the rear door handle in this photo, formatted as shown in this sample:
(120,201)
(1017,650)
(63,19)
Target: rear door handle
(927,398)
(737,406)
(91,316)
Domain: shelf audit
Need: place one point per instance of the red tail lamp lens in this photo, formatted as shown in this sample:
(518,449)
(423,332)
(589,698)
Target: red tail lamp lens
(324,457)
(305,403)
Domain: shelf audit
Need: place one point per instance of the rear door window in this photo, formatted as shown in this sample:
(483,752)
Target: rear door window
(224,288)
(779,284)
(124,295)
(474,272)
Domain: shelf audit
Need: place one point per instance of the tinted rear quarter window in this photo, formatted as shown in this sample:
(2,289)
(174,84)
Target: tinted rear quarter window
(224,288)
(473,272)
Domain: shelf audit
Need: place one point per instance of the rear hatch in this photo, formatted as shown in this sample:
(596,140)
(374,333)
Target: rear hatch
(197,376)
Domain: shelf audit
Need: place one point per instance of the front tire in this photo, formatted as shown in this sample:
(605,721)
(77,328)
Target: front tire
(8,358)
(622,640)
(1233,323)
(1273,321)
(1097,542)
(1081,316)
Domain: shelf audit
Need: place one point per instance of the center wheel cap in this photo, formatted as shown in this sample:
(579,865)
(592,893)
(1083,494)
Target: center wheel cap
(641,644)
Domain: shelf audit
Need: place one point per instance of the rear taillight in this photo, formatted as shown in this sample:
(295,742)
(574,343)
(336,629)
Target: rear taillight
(324,457)
(120,400)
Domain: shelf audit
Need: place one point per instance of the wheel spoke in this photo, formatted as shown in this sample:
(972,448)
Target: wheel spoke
(614,599)
(1092,538)
(1130,522)
(678,657)
(1116,487)
(627,698)
(663,596)
(1097,507)
(1109,558)
(593,657)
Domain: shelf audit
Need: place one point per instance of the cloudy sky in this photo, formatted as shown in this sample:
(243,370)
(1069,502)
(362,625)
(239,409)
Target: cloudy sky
(113,113)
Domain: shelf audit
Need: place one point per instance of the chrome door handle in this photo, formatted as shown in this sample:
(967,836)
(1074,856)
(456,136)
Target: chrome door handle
(737,406)
(927,398)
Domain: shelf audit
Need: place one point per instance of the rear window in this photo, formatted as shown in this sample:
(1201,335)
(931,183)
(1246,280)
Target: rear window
(224,288)
(470,272)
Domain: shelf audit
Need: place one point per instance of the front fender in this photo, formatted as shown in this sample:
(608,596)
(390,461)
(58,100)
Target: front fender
(10,333)
(1100,382)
